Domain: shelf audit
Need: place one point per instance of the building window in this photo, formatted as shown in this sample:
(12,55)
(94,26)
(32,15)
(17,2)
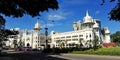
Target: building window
(68,39)
(74,39)
(89,26)
(68,36)
(62,37)
(96,30)
(75,36)
(80,35)
(90,35)
(86,36)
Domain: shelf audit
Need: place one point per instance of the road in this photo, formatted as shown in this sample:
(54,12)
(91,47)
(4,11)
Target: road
(30,55)
(86,57)
(43,56)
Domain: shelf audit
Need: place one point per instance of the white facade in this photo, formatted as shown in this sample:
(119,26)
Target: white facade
(83,33)
(29,38)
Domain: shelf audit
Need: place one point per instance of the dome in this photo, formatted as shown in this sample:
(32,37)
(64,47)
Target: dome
(96,25)
(37,26)
(106,30)
(87,18)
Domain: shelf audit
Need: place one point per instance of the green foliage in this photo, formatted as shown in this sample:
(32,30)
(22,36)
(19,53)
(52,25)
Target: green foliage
(15,42)
(101,51)
(95,43)
(20,42)
(4,34)
(116,37)
(2,21)
(17,8)
(115,12)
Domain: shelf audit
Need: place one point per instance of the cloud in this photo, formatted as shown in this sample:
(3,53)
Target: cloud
(97,12)
(50,25)
(47,25)
(58,15)
(55,17)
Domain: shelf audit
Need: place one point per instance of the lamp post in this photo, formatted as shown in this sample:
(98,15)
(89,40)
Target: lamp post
(46,34)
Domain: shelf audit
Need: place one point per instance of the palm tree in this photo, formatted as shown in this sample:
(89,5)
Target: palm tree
(95,42)
(80,41)
(62,44)
(66,43)
(20,42)
(15,43)
(58,42)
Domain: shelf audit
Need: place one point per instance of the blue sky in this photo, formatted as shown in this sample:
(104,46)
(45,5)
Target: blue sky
(69,11)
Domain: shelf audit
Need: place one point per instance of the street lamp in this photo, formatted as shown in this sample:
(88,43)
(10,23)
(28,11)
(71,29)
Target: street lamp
(46,34)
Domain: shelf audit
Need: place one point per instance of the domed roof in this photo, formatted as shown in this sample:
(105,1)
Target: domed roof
(37,26)
(106,30)
(87,18)
(96,25)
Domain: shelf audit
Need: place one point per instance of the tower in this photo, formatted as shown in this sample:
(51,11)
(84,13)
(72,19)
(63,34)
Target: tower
(88,21)
(37,26)
(36,36)
(96,30)
(107,35)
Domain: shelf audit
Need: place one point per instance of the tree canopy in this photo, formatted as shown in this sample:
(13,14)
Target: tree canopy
(5,33)
(17,8)
(114,14)
(116,36)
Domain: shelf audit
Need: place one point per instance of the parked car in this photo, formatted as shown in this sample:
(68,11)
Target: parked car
(26,48)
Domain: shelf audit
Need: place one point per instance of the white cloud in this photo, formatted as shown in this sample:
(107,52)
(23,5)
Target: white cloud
(97,12)
(58,15)
(55,17)
(48,25)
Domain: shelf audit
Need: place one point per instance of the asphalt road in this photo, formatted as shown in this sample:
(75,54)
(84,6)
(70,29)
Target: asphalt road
(43,56)
(86,57)
(28,56)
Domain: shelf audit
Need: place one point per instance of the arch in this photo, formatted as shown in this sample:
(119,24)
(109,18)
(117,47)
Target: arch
(28,44)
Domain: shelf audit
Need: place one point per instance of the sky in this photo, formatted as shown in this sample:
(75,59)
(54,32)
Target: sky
(69,11)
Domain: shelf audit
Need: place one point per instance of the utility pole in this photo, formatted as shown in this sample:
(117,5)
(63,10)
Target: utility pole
(46,34)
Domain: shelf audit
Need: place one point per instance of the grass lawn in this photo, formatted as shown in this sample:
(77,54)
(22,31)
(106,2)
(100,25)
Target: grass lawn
(101,51)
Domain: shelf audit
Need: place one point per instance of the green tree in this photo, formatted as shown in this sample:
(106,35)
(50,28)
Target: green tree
(80,41)
(58,42)
(95,43)
(114,14)
(20,43)
(15,43)
(5,33)
(62,44)
(17,8)
(116,38)
(66,43)
(2,22)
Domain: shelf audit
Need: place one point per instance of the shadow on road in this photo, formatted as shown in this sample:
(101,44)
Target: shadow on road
(29,56)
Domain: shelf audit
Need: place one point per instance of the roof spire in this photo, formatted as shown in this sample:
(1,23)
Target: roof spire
(37,25)
(87,13)
(37,19)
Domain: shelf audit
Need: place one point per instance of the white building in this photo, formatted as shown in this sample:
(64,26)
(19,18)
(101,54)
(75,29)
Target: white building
(27,38)
(83,33)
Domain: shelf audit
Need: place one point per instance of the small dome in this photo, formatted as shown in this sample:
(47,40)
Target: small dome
(96,25)
(87,18)
(37,26)
(106,30)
